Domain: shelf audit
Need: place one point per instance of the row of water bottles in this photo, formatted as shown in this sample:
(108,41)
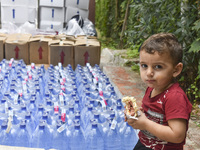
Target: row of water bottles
(61,108)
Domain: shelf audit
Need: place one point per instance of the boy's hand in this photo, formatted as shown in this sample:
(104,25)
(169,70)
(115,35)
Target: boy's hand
(138,124)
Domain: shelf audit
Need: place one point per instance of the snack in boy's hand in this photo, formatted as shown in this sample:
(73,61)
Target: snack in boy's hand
(127,100)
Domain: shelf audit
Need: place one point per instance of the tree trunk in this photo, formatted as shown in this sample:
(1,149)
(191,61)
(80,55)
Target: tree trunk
(124,24)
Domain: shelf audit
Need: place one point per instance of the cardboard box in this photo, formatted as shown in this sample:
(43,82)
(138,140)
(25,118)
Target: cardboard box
(52,3)
(52,14)
(61,51)
(38,49)
(16,46)
(82,4)
(2,45)
(87,51)
(55,25)
(27,3)
(72,11)
(18,14)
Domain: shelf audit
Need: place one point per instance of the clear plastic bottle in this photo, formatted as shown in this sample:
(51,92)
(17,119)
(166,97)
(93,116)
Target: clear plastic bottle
(5,138)
(60,140)
(30,122)
(86,116)
(23,137)
(32,106)
(77,140)
(129,138)
(112,139)
(95,139)
(38,114)
(42,137)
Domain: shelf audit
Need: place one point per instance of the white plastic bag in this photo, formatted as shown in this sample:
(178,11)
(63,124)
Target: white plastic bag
(74,28)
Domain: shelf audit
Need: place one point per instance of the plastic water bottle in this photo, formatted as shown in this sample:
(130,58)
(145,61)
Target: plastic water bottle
(5,137)
(77,140)
(49,107)
(119,113)
(95,139)
(60,141)
(70,115)
(129,138)
(30,122)
(112,139)
(47,118)
(42,138)
(38,114)
(32,106)
(76,103)
(22,138)
(86,116)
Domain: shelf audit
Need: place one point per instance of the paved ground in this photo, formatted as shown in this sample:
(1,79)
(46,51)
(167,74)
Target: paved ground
(128,83)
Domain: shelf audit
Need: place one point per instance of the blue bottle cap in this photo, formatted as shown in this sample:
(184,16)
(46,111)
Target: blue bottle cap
(4,124)
(94,125)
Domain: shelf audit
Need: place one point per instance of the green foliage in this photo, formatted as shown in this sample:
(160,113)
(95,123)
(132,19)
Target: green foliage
(133,52)
(147,17)
(135,67)
(193,91)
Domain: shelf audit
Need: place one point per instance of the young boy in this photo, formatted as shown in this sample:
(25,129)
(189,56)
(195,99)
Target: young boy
(163,122)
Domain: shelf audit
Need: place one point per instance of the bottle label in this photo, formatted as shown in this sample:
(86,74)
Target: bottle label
(20,93)
(16,99)
(32,65)
(62,88)
(6,108)
(10,114)
(24,86)
(94,81)
(103,99)
(97,78)
(103,105)
(62,128)
(61,98)
(56,108)
(63,115)
(9,125)
(25,79)
(59,65)
(30,76)
(105,102)
(113,124)
(101,93)
(62,82)
(64,79)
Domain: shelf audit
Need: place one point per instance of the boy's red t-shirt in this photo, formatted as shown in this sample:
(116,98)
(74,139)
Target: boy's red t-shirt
(172,103)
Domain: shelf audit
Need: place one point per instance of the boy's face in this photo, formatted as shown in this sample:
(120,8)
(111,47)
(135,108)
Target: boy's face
(156,70)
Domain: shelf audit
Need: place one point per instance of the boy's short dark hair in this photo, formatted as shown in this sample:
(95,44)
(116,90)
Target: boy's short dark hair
(164,43)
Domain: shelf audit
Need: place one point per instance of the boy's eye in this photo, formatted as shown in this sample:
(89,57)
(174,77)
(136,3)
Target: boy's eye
(158,67)
(144,66)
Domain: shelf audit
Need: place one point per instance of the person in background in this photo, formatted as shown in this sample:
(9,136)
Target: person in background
(163,121)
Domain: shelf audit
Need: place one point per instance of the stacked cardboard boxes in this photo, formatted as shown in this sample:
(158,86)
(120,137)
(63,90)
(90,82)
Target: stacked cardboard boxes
(19,11)
(76,7)
(2,46)
(39,49)
(61,51)
(17,47)
(52,14)
(87,51)
(55,14)
(43,49)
